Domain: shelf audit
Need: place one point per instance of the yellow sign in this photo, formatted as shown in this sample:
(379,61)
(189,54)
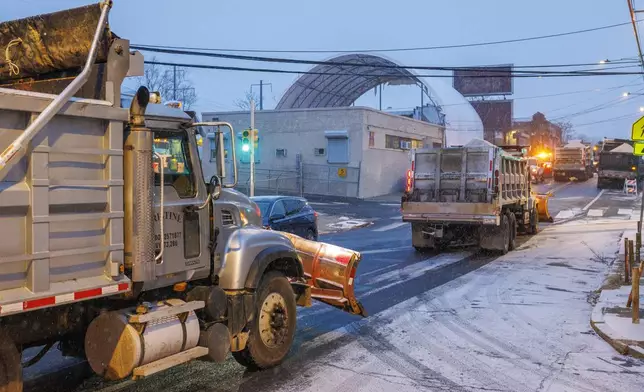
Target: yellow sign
(638,149)
(637,130)
(342,172)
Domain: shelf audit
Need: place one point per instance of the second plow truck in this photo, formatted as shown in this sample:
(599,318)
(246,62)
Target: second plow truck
(112,243)
(574,160)
(477,194)
(616,163)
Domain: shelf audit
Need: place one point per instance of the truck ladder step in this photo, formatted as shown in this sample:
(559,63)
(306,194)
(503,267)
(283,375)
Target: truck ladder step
(168,362)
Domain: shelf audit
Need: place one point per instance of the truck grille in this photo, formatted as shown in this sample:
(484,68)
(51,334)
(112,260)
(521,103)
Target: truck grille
(227,218)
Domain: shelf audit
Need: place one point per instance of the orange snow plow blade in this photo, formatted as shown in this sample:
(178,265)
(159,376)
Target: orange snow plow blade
(542,206)
(329,272)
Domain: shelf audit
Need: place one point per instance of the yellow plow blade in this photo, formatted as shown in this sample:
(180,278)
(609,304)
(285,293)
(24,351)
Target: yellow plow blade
(542,206)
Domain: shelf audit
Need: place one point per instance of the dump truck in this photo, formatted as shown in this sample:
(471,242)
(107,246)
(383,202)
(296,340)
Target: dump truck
(574,160)
(477,194)
(616,163)
(132,263)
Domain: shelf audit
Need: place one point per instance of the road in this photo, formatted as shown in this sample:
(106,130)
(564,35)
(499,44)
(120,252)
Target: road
(457,321)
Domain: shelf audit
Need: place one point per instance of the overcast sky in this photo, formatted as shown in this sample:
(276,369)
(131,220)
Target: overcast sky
(374,24)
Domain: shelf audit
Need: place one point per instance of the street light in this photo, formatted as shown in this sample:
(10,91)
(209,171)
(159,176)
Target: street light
(604,61)
(642,109)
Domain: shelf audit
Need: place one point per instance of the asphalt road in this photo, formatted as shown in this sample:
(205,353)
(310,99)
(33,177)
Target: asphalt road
(390,274)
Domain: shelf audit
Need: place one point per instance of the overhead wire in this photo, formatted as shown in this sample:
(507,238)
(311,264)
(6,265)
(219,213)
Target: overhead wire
(489,72)
(421,48)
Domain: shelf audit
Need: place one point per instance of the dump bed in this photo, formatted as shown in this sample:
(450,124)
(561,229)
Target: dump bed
(467,183)
(572,157)
(61,203)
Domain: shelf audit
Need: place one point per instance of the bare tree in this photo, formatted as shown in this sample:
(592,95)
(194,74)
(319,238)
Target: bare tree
(567,130)
(171,82)
(244,103)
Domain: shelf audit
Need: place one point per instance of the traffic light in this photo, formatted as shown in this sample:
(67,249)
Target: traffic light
(256,139)
(245,140)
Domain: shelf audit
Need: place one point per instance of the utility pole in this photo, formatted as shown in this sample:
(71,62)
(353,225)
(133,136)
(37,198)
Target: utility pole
(252,148)
(174,83)
(261,92)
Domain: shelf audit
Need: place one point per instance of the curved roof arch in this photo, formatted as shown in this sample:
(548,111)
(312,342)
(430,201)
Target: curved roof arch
(340,85)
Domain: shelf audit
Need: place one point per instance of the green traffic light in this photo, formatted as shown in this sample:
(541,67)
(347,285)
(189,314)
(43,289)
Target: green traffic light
(245,148)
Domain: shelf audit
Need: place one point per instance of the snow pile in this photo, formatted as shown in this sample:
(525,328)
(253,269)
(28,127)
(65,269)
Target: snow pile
(625,147)
(345,223)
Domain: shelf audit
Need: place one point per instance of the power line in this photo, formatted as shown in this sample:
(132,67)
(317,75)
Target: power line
(284,71)
(501,72)
(456,46)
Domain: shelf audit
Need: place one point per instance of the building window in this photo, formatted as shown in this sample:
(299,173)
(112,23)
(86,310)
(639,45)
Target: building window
(280,152)
(319,151)
(337,146)
(402,143)
(372,139)
(437,145)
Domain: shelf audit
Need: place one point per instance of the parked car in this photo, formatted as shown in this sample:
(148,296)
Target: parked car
(290,214)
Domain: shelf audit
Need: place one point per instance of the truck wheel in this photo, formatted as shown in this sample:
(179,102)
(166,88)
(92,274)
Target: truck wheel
(273,326)
(505,234)
(10,365)
(513,231)
(534,222)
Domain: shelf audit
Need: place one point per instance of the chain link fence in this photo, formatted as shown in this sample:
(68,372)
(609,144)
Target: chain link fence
(312,179)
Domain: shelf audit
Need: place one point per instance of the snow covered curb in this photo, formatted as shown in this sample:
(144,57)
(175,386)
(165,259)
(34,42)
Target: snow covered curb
(605,321)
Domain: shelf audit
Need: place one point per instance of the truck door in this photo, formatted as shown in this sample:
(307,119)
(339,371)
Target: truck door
(185,231)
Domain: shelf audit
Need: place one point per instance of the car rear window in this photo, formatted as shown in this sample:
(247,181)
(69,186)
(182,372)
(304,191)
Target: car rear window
(264,207)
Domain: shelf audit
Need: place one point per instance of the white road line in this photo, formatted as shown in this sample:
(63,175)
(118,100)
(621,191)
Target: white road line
(340,203)
(595,212)
(625,211)
(565,214)
(594,200)
(390,204)
(389,250)
(317,203)
(391,226)
(396,217)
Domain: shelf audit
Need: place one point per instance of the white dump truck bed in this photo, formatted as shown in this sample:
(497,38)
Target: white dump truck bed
(469,183)
(61,203)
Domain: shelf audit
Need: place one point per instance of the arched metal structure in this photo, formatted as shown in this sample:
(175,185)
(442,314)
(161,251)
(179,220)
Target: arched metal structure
(331,85)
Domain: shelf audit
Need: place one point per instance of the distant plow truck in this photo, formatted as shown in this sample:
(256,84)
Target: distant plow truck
(574,161)
(477,194)
(617,164)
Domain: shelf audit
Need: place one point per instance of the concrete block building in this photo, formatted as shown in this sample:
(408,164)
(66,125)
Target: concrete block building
(349,151)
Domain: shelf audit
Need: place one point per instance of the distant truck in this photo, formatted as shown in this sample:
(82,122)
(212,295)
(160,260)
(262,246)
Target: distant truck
(477,194)
(575,159)
(616,163)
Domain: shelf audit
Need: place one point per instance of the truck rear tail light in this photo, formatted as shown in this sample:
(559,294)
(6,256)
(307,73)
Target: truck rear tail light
(410,181)
(496,181)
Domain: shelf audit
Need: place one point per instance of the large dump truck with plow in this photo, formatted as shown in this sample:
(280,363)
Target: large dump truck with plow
(477,194)
(112,243)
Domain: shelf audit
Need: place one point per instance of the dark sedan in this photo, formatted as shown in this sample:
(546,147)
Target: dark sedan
(290,214)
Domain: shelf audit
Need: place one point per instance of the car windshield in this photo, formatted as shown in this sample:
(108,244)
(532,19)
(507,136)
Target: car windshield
(264,207)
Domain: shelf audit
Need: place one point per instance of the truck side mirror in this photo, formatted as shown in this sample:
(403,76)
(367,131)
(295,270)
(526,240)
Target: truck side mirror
(221,156)
(214,187)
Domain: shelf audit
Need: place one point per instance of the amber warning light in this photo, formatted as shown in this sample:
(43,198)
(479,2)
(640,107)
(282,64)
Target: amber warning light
(410,179)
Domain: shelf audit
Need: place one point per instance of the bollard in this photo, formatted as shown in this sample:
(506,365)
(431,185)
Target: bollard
(635,293)
(627,258)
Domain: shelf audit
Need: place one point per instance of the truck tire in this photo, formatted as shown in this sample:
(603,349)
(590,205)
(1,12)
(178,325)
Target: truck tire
(533,226)
(10,365)
(513,231)
(272,329)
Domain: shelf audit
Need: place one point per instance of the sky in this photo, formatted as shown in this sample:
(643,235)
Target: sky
(594,105)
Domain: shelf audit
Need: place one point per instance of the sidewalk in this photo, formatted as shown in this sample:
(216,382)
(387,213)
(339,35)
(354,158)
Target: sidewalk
(611,319)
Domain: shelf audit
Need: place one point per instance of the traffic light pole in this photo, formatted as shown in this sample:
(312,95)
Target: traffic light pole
(252,148)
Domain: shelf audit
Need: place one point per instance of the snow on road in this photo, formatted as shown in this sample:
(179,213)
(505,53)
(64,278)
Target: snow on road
(520,323)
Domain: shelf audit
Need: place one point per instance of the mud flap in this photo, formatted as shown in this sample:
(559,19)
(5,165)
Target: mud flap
(542,206)
(329,272)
